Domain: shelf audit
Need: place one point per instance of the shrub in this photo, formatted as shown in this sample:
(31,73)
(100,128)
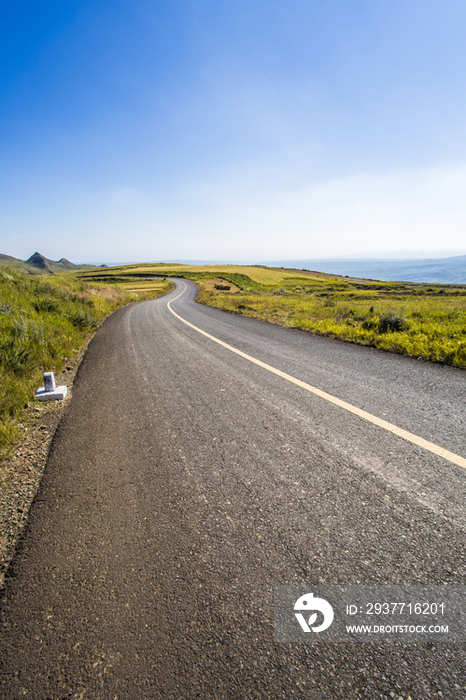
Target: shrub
(391,322)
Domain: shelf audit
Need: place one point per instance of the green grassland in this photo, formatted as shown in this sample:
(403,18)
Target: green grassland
(44,321)
(422,321)
(426,321)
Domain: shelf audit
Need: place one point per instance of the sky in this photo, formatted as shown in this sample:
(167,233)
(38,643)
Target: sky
(232,130)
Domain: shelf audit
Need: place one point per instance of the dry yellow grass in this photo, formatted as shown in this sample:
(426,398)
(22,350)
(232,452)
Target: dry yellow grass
(143,285)
(260,275)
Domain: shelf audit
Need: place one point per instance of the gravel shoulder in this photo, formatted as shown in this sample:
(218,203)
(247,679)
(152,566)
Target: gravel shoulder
(22,472)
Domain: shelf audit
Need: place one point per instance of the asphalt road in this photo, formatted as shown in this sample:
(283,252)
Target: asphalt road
(185,481)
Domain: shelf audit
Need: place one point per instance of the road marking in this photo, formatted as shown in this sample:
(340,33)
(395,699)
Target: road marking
(390,427)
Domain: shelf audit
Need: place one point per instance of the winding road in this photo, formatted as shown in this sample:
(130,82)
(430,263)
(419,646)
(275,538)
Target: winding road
(205,458)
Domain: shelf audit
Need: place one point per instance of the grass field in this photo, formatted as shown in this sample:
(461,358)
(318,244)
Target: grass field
(252,276)
(45,320)
(420,320)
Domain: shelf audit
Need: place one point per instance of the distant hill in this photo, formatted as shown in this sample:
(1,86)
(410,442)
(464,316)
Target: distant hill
(38,264)
(432,270)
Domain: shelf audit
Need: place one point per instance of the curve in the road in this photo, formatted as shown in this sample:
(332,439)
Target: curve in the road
(385,425)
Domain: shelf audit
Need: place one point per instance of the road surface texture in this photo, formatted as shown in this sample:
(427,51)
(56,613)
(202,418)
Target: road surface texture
(185,481)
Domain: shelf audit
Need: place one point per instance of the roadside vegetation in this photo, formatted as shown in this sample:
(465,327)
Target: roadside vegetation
(419,320)
(45,321)
(426,321)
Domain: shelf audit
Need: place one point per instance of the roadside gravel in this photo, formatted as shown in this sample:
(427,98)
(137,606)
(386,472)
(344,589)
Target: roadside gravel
(20,475)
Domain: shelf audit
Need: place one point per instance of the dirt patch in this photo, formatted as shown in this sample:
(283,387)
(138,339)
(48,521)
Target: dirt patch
(20,475)
(209,285)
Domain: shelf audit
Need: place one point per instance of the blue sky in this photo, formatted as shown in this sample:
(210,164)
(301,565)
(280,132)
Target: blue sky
(232,130)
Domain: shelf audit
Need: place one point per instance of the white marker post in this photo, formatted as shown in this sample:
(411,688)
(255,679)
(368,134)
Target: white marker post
(50,392)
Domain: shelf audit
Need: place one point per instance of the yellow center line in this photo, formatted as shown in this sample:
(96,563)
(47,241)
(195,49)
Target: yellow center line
(390,427)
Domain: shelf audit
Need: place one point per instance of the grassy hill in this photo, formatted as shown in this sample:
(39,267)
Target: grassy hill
(38,264)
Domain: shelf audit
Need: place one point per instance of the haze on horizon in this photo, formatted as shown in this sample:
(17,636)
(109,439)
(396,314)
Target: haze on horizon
(232,131)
